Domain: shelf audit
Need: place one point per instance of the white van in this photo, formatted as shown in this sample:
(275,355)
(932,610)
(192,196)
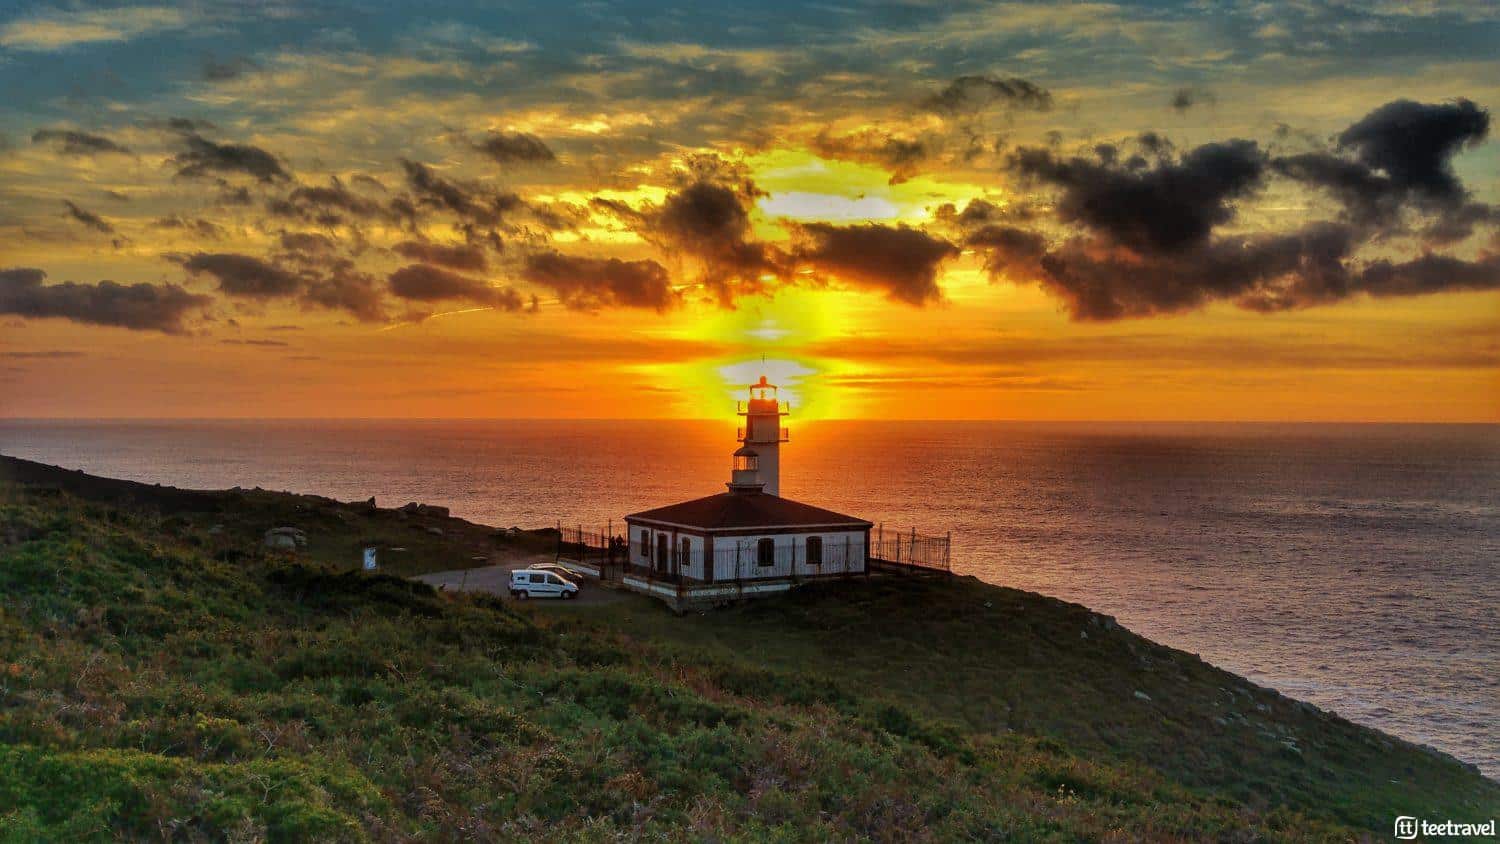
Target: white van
(533,583)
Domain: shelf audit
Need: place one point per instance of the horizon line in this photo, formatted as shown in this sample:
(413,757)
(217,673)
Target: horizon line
(962,419)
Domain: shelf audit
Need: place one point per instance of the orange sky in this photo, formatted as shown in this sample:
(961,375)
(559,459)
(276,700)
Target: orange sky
(629,127)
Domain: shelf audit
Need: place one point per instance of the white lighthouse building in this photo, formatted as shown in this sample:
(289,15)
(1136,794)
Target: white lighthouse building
(748,539)
(763,433)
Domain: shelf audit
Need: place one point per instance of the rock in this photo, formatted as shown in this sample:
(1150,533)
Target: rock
(416,509)
(281,542)
(1140,695)
(288,538)
(435,531)
(370,501)
(410,507)
(1083,634)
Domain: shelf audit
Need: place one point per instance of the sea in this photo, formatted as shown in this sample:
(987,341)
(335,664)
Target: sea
(1353,566)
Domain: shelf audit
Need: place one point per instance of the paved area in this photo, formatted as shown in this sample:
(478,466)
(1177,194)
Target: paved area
(496,580)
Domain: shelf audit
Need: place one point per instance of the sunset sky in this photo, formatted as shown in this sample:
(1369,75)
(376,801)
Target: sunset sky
(916,210)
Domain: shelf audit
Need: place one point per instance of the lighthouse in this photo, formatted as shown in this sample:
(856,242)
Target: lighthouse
(763,434)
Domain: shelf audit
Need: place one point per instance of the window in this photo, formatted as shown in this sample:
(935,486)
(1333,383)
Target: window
(765,552)
(646,544)
(554,580)
(815,550)
(684,552)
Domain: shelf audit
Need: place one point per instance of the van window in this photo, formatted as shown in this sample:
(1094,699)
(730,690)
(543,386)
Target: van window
(765,552)
(554,580)
(523,577)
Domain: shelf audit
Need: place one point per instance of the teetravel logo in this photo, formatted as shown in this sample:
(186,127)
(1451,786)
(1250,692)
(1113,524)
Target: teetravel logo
(1408,828)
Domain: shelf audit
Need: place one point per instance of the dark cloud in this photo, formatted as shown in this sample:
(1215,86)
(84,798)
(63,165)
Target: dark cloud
(313,244)
(326,205)
(74,142)
(708,221)
(141,307)
(426,283)
(215,70)
(514,147)
(901,155)
(455,256)
(1007,248)
(1169,204)
(1399,156)
(1185,98)
(1414,143)
(470,202)
(88,218)
(898,261)
(345,288)
(243,275)
(193,225)
(972,93)
(202,157)
(1099,281)
(1430,274)
(592,283)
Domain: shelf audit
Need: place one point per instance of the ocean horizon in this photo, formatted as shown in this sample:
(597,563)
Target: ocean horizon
(1348,564)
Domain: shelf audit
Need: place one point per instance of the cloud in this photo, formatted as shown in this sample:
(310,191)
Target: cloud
(899,261)
(1401,155)
(515,147)
(58,29)
(345,288)
(1185,98)
(1171,203)
(74,142)
(708,221)
(901,155)
(455,256)
(229,69)
(426,283)
(469,202)
(202,157)
(591,283)
(140,307)
(326,205)
(88,218)
(243,275)
(193,225)
(975,93)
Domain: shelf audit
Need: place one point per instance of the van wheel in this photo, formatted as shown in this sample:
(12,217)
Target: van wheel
(522,595)
(570,595)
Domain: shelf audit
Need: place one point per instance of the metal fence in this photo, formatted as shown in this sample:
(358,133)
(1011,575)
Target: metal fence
(751,559)
(912,549)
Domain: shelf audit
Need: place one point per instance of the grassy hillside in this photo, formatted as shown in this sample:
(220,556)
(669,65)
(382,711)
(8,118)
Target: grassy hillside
(162,677)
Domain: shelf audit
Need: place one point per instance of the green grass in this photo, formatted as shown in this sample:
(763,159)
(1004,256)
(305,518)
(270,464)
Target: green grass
(154,686)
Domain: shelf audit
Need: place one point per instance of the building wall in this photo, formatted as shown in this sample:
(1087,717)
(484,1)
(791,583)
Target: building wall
(736,557)
(691,566)
(764,435)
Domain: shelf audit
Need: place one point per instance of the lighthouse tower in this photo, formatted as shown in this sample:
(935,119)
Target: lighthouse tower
(763,434)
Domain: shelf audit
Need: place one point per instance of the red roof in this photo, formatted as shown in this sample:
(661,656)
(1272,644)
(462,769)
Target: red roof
(731,511)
